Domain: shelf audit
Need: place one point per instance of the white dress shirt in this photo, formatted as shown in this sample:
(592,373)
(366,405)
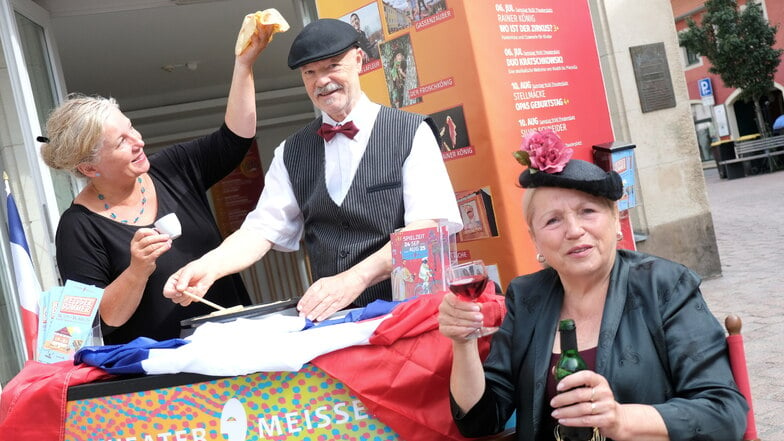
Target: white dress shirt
(427,190)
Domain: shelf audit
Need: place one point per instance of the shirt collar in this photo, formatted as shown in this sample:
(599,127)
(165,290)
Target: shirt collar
(359,114)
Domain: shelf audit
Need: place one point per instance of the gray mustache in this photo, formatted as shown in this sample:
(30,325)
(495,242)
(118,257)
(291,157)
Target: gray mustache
(331,87)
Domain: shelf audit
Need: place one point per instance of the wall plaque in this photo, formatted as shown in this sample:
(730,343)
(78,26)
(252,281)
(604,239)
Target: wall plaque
(654,85)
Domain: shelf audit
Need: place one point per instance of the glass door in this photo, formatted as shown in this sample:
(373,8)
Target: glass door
(41,63)
(11,350)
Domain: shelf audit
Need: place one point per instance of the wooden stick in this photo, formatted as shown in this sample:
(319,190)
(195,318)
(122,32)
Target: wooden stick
(203,300)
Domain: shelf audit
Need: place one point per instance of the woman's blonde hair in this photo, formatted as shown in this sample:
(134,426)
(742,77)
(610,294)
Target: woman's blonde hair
(527,212)
(75,131)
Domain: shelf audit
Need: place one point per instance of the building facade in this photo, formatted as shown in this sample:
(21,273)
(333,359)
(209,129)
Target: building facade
(720,115)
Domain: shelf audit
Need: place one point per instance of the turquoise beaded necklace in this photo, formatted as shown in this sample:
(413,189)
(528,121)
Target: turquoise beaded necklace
(101,197)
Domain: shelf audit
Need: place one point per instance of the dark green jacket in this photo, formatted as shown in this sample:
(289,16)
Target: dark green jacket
(659,344)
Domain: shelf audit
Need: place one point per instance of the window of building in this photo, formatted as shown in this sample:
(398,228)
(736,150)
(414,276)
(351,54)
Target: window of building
(691,57)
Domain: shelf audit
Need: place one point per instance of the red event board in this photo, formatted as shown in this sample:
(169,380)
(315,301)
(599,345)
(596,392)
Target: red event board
(487,72)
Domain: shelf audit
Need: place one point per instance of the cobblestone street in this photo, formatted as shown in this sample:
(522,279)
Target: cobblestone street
(748,216)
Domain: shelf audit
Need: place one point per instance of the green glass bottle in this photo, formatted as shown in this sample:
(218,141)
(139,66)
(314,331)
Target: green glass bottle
(568,363)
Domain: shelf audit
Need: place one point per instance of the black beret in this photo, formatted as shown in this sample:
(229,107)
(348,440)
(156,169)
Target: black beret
(322,39)
(577,175)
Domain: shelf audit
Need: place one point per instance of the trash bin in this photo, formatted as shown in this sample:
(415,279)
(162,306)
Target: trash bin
(723,151)
(716,154)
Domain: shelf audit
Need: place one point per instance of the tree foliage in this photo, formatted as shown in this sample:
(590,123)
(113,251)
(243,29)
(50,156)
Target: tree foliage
(739,46)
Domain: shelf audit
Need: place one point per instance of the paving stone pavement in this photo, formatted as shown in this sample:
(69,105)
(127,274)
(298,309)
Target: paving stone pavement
(748,217)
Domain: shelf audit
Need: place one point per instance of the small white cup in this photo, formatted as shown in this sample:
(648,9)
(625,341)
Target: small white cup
(170,225)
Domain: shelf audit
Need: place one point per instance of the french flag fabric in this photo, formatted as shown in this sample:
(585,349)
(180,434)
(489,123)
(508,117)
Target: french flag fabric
(402,377)
(33,403)
(289,342)
(26,280)
(390,355)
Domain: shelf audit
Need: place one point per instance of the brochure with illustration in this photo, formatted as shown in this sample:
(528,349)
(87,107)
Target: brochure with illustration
(65,320)
(420,259)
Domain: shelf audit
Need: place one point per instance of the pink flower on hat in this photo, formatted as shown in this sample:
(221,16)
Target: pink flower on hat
(543,151)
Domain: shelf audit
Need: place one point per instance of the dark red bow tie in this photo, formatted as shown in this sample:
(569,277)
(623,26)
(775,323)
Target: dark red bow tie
(328,131)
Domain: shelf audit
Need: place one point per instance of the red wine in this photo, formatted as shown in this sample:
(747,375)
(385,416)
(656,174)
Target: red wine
(471,286)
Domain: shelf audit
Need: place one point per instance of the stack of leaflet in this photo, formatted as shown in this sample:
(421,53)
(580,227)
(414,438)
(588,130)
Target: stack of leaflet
(66,321)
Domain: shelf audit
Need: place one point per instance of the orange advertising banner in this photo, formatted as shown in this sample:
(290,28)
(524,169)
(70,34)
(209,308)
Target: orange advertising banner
(487,73)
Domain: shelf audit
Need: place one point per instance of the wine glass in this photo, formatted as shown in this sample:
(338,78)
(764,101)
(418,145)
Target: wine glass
(468,281)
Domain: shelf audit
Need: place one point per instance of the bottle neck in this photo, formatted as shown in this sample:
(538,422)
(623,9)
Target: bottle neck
(568,341)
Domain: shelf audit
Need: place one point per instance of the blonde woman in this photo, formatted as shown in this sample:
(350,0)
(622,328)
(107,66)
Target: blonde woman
(106,237)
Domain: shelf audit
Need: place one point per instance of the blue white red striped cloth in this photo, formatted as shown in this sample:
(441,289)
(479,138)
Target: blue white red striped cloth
(396,363)
(285,342)
(402,377)
(27,284)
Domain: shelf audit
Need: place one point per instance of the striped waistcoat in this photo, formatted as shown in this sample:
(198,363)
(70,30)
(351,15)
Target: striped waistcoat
(338,237)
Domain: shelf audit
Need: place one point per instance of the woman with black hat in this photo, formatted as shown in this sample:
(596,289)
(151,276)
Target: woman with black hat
(657,359)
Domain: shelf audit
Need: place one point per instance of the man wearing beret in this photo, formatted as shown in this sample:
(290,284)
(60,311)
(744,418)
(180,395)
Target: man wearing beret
(343,182)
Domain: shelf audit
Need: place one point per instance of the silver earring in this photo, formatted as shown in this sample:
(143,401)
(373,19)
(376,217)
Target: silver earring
(97,174)
(619,236)
(540,258)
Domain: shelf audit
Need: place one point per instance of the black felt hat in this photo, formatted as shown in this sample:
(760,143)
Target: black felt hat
(577,175)
(322,39)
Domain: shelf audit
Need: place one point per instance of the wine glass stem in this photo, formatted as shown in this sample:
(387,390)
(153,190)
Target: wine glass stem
(476,333)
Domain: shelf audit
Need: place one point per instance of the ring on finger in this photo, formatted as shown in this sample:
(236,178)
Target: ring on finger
(593,392)
(593,408)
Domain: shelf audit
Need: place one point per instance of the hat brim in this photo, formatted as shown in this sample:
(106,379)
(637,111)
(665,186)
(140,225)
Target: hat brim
(577,175)
(320,57)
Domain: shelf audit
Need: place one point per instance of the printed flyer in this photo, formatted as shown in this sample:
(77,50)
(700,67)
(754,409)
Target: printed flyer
(65,321)
(420,258)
